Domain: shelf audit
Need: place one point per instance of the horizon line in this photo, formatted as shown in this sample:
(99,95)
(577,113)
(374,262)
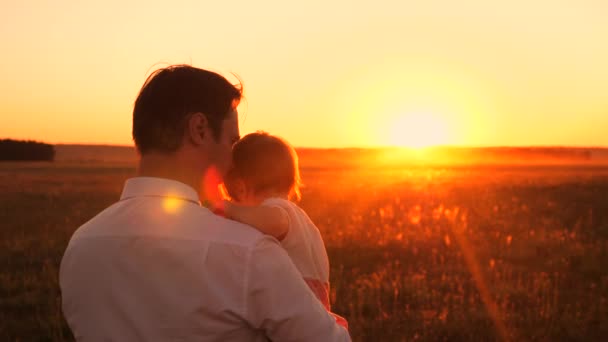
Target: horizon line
(498,146)
(386,146)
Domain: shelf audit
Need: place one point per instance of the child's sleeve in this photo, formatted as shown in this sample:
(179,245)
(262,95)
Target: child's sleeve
(269,220)
(283,207)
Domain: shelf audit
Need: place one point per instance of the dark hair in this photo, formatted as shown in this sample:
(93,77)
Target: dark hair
(265,163)
(170,95)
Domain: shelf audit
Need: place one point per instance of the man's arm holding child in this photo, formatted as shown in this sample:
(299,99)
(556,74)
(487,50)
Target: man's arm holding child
(279,302)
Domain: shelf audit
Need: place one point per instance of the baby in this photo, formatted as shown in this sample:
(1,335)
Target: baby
(265,177)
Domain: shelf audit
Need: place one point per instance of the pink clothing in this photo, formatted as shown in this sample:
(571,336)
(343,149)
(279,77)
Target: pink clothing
(321,291)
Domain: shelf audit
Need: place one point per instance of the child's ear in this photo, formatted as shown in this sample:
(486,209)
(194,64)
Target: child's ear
(240,188)
(235,188)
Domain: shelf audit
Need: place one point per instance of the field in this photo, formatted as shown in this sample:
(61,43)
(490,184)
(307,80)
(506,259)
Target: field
(418,253)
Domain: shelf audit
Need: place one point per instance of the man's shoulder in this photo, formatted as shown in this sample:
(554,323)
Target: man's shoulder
(191,223)
(219,229)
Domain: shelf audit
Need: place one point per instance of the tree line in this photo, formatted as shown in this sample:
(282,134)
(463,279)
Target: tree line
(26,150)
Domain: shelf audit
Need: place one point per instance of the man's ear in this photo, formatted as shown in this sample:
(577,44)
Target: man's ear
(198,129)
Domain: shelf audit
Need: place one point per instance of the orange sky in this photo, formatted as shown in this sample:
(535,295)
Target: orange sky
(319,73)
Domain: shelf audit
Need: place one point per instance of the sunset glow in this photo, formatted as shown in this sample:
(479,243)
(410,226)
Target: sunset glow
(418,130)
(472,73)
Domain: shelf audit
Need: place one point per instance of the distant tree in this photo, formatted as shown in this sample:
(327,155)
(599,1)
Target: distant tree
(19,150)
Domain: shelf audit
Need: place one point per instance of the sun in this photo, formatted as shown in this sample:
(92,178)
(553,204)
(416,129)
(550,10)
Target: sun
(418,130)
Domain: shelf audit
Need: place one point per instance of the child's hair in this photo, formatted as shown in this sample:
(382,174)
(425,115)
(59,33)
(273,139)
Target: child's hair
(264,163)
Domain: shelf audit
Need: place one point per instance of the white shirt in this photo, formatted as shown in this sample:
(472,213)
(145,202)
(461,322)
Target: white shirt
(156,266)
(304,245)
(303,241)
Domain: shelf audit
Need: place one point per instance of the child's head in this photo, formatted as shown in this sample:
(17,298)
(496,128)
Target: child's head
(263,166)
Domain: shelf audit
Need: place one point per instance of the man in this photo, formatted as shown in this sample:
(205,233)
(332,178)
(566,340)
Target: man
(158,266)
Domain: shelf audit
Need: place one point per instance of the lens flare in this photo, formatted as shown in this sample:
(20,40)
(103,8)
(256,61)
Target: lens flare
(211,190)
(172,205)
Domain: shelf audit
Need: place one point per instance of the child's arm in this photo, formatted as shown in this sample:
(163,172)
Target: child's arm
(268,220)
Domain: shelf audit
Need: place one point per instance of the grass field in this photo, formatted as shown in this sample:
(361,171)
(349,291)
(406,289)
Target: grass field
(486,253)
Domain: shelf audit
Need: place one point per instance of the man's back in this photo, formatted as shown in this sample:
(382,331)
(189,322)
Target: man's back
(154,267)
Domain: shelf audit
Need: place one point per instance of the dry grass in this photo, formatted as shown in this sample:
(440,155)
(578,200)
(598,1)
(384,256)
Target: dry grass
(416,254)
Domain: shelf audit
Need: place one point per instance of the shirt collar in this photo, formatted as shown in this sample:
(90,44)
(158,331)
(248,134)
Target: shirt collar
(158,187)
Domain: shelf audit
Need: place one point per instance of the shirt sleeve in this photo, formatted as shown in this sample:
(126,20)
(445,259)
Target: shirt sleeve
(279,302)
(284,207)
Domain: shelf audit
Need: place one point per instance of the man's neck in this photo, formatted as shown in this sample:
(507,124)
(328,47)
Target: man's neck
(169,166)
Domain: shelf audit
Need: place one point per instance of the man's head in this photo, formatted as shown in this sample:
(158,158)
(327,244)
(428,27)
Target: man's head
(180,108)
(263,165)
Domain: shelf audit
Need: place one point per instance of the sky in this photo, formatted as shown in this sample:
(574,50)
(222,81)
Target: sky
(318,73)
